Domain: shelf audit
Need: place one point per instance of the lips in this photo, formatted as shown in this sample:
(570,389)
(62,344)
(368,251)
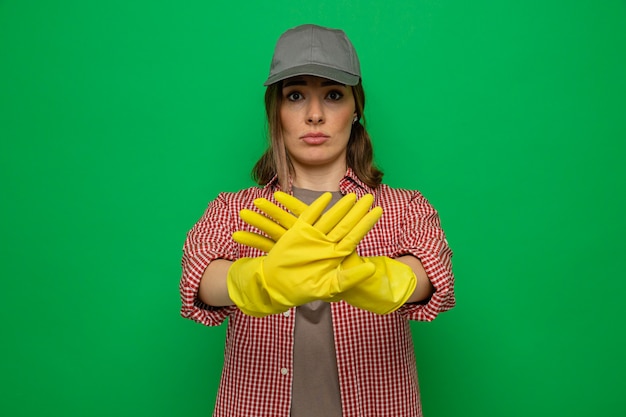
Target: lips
(314,138)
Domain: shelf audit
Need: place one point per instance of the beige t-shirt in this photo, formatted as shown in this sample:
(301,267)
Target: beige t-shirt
(315,390)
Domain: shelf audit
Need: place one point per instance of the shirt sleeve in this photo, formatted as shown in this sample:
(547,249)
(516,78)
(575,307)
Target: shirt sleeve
(421,235)
(209,239)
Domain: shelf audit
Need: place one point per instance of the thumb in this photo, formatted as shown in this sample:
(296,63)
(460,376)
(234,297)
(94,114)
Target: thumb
(351,277)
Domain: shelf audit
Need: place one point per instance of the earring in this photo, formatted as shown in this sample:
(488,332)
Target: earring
(356,119)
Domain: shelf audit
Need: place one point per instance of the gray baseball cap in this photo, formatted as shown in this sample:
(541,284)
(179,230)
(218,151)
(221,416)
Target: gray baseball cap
(315,50)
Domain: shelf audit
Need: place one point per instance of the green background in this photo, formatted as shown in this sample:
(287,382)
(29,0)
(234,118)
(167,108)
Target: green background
(120,120)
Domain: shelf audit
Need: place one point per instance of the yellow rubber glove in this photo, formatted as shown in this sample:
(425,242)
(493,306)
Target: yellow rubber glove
(391,285)
(385,291)
(303,265)
(336,222)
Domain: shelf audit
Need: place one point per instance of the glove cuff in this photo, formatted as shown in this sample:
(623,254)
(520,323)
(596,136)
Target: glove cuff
(246,288)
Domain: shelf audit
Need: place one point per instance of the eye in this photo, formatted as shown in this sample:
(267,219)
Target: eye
(335,95)
(294,96)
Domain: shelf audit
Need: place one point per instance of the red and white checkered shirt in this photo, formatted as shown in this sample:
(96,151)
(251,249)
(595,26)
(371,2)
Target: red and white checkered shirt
(375,354)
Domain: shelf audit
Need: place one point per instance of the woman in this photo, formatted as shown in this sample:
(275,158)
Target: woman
(315,326)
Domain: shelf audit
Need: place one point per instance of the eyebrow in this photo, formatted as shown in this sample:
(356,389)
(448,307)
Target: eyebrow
(300,81)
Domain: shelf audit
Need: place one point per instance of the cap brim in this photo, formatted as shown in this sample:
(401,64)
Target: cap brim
(316,70)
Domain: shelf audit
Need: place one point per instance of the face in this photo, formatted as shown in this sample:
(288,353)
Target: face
(316,116)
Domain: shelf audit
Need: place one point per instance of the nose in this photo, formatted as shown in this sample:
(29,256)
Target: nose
(315,112)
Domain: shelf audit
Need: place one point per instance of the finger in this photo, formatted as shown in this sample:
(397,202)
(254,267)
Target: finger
(352,239)
(336,213)
(350,220)
(281,216)
(293,204)
(272,229)
(315,210)
(253,240)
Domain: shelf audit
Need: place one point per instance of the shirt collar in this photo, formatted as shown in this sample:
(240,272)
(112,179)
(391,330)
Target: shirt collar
(273,184)
(350,183)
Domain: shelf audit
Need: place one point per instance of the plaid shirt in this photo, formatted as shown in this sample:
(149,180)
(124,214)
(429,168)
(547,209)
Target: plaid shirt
(375,354)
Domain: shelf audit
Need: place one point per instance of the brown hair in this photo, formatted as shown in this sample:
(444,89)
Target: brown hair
(275,160)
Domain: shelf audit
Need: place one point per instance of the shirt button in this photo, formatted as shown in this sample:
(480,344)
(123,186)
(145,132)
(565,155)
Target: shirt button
(287,313)
(284,371)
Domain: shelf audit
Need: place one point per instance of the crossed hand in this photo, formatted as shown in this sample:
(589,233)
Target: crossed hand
(311,256)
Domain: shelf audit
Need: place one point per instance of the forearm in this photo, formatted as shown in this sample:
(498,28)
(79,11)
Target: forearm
(423,289)
(213,289)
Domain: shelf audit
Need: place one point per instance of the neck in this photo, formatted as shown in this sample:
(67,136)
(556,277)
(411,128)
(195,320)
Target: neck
(319,180)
